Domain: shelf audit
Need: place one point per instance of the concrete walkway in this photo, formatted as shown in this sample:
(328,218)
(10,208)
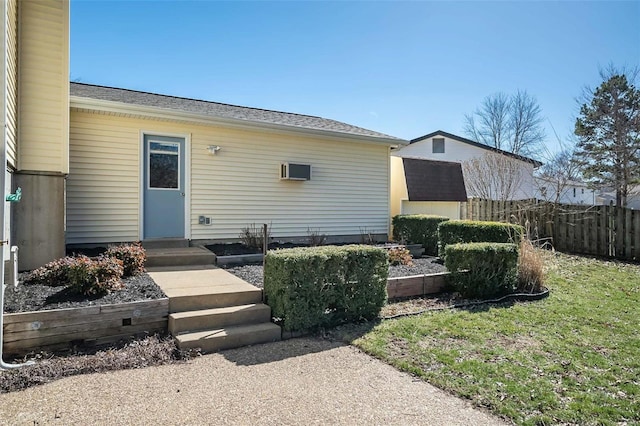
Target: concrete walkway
(299,381)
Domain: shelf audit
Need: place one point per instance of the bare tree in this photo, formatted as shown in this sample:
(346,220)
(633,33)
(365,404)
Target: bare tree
(560,170)
(493,176)
(509,122)
(489,124)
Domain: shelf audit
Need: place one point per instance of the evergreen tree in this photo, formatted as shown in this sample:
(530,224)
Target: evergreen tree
(608,131)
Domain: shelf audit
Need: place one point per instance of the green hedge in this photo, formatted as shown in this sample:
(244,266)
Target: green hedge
(314,287)
(418,229)
(491,268)
(469,231)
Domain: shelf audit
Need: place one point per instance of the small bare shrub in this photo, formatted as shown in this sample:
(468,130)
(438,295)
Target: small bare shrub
(253,236)
(132,256)
(367,237)
(530,269)
(315,238)
(400,256)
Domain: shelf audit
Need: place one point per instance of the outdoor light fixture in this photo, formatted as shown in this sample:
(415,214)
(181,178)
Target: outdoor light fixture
(213,149)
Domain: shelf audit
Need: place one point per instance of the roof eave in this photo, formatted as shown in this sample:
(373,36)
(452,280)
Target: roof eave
(172,114)
(522,158)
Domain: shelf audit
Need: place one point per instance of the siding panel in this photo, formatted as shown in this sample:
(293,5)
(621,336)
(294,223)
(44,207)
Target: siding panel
(236,187)
(44,85)
(12,82)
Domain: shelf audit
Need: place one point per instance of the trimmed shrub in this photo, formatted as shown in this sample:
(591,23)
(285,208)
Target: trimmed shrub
(470,231)
(530,269)
(312,287)
(418,229)
(400,256)
(132,256)
(53,274)
(481,270)
(95,276)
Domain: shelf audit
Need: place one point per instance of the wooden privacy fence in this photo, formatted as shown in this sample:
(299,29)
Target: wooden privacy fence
(596,230)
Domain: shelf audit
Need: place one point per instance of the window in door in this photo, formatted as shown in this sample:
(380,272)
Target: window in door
(164,165)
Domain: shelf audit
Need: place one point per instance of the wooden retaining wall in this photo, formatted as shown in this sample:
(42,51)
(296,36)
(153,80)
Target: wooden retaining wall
(60,328)
(417,285)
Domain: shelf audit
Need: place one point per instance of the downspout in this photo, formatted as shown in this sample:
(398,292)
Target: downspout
(4,240)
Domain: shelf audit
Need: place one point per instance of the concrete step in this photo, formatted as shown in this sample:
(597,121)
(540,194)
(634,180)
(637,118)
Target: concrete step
(184,268)
(229,337)
(163,243)
(204,288)
(207,319)
(179,256)
(222,298)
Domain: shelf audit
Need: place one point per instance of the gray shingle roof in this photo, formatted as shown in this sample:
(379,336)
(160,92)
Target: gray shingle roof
(219,110)
(429,180)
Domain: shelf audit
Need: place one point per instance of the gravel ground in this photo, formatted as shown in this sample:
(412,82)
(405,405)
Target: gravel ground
(298,381)
(41,297)
(426,265)
(253,273)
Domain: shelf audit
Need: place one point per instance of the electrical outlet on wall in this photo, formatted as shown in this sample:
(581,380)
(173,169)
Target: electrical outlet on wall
(204,220)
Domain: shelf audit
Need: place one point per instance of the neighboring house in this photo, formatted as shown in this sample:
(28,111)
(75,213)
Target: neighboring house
(608,197)
(565,192)
(426,187)
(443,146)
(116,165)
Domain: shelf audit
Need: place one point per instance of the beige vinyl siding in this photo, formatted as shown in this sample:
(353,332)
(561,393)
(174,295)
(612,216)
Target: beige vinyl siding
(240,185)
(44,85)
(12,82)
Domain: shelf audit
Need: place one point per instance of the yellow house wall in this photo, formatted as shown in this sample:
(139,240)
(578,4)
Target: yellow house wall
(450,209)
(43,66)
(398,188)
(12,82)
(236,187)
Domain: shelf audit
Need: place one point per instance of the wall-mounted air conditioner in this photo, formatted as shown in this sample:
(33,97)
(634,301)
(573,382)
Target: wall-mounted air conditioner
(291,171)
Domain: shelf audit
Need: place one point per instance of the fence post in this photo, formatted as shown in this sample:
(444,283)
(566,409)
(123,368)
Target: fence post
(627,233)
(636,234)
(603,232)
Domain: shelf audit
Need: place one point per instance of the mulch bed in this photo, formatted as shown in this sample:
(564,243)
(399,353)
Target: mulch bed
(150,351)
(253,273)
(32,297)
(234,249)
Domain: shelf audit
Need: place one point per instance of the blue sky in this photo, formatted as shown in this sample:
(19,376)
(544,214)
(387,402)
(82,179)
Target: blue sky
(401,68)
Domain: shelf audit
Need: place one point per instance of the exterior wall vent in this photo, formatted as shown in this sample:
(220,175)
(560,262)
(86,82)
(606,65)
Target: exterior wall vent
(291,171)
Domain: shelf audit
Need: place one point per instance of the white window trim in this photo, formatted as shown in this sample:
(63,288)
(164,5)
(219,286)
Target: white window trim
(148,161)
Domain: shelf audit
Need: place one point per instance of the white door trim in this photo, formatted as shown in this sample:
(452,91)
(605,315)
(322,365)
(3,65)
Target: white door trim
(187,179)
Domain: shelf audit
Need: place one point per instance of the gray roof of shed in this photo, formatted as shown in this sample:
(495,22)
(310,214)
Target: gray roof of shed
(220,110)
(429,180)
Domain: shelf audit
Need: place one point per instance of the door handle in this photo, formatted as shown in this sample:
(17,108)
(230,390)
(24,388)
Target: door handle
(182,193)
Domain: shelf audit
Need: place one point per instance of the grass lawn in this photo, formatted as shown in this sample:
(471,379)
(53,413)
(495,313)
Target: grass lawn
(571,358)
